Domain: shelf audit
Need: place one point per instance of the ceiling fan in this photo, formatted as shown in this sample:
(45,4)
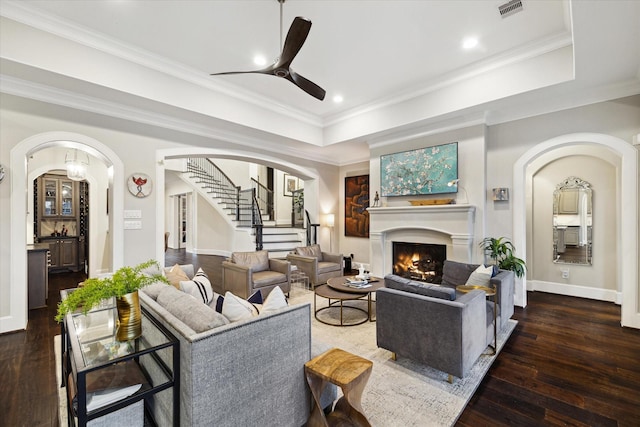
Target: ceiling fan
(282,66)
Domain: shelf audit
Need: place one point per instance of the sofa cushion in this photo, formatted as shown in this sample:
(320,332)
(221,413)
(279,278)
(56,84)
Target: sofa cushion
(326,267)
(480,276)
(456,273)
(199,287)
(235,308)
(154,289)
(275,301)
(175,275)
(427,289)
(189,310)
(312,251)
(268,278)
(256,261)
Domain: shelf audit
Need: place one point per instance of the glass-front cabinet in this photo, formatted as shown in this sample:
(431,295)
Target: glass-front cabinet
(58,197)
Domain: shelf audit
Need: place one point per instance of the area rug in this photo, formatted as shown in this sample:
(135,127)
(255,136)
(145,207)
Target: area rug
(399,393)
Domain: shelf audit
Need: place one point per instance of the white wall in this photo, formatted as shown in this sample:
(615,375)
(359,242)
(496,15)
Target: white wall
(602,177)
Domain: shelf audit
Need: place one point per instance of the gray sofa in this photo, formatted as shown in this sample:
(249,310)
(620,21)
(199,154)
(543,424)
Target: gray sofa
(246,373)
(446,334)
(456,273)
(437,326)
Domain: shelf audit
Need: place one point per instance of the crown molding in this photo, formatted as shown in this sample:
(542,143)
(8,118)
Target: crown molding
(523,53)
(50,95)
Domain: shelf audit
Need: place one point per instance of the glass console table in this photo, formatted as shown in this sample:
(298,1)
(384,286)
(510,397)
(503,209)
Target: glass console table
(107,378)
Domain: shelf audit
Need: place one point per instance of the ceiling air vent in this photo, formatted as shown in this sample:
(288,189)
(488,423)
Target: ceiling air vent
(514,6)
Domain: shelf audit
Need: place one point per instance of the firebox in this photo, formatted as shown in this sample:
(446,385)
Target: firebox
(419,261)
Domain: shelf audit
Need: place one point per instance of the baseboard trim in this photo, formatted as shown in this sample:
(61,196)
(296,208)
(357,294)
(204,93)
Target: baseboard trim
(212,252)
(576,291)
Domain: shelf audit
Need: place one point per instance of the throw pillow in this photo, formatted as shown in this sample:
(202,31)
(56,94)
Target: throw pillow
(275,301)
(199,287)
(256,297)
(481,276)
(175,275)
(189,310)
(235,308)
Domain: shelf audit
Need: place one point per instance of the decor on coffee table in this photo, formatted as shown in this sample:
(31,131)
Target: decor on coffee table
(352,285)
(123,285)
(348,371)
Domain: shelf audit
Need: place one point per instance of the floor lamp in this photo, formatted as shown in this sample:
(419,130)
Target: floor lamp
(330,220)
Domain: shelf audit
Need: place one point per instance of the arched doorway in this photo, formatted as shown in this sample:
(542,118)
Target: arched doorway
(627,204)
(20,154)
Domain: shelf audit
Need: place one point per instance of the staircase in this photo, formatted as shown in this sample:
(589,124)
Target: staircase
(243,208)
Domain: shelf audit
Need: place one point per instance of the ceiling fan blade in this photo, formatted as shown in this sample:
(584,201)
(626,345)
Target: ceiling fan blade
(263,71)
(306,85)
(296,36)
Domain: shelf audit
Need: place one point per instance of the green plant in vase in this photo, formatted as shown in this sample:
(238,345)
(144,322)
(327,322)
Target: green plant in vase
(123,284)
(501,251)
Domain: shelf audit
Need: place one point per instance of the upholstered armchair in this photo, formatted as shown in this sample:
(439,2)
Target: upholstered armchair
(246,272)
(317,265)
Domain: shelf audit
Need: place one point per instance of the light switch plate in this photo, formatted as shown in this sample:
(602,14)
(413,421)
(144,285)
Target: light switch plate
(133,225)
(133,214)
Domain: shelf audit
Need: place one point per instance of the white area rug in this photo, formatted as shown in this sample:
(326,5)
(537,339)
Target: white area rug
(400,393)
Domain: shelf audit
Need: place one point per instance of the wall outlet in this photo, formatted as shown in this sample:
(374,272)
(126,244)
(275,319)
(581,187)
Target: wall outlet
(565,273)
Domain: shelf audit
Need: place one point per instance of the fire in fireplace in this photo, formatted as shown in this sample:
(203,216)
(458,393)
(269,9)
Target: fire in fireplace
(419,261)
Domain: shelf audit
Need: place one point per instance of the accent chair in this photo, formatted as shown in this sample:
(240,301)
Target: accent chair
(246,272)
(319,266)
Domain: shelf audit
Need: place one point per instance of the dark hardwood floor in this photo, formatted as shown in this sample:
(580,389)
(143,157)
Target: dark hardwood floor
(567,363)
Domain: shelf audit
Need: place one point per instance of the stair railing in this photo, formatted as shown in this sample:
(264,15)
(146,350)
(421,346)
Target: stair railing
(244,202)
(264,198)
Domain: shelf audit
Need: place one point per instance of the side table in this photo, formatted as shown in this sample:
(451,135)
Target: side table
(349,372)
(491,292)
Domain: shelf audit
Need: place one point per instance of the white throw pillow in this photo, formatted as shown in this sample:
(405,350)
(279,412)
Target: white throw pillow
(235,308)
(481,276)
(199,287)
(275,301)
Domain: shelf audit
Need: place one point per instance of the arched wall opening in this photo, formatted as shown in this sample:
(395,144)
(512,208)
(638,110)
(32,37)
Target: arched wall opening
(18,316)
(626,203)
(311,179)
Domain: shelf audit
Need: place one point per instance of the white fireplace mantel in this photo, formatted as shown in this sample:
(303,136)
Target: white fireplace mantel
(419,224)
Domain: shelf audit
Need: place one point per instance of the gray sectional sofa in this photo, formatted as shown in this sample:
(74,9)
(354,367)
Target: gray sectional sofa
(246,373)
(437,326)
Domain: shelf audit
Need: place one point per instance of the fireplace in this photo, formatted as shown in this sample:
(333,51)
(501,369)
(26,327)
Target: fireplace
(449,225)
(419,261)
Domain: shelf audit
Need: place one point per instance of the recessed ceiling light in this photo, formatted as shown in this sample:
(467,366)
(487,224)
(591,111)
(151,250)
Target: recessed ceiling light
(259,60)
(470,42)
(338,99)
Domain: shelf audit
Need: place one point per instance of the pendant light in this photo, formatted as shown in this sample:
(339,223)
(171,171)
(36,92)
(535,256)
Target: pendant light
(77,164)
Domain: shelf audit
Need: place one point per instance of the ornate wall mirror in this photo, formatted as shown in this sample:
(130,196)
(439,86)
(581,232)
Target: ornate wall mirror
(572,221)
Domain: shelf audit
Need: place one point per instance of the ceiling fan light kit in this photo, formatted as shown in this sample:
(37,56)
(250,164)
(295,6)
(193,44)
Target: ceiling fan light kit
(296,37)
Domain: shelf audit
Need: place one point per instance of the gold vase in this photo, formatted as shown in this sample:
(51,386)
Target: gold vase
(129,317)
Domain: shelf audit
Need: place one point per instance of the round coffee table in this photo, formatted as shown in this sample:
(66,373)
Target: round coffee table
(337,289)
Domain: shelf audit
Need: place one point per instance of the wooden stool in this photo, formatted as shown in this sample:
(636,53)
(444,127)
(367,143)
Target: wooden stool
(350,373)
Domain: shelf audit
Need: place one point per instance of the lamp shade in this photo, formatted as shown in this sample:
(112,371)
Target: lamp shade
(330,220)
(77,163)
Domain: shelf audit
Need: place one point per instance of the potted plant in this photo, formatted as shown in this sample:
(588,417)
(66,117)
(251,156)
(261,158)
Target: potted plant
(501,251)
(123,285)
